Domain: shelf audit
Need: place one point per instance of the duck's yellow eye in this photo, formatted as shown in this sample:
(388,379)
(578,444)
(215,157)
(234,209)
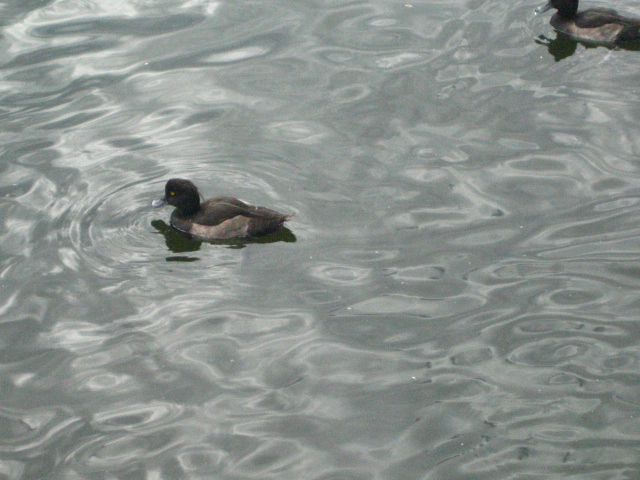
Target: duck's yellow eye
(172,193)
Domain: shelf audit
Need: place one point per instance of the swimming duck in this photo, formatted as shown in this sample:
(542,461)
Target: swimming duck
(596,25)
(220,218)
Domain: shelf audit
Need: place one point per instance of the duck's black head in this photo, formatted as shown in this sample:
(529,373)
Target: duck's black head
(566,8)
(183,195)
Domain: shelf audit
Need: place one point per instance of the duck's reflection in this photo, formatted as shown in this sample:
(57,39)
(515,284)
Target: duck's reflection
(561,47)
(564,46)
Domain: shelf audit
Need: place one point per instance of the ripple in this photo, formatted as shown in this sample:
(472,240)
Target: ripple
(137,417)
(103,381)
(108,230)
(552,352)
(351,93)
(51,54)
(419,273)
(273,457)
(369,255)
(120,451)
(341,274)
(76,336)
(345,474)
(298,132)
(201,459)
(472,356)
(12,469)
(363,28)
(340,364)
(73,120)
(249,48)
(318,297)
(629,394)
(31,431)
(565,379)
(237,54)
(402,59)
(454,186)
(487,236)
(249,323)
(574,297)
(605,228)
(538,325)
(141,26)
(622,362)
(216,359)
(427,307)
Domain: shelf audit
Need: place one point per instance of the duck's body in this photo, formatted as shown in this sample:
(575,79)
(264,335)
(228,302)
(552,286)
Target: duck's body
(220,218)
(596,25)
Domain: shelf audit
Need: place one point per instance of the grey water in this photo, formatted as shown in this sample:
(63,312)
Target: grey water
(458,296)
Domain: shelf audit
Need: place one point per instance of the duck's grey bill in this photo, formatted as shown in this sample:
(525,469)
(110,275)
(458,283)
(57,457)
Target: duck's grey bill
(161,202)
(544,8)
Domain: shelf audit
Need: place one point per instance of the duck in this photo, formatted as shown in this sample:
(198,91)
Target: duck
(595,25)
(219,218)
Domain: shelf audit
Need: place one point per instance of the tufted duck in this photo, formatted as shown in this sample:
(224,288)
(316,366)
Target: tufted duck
(220,218)
(596,25)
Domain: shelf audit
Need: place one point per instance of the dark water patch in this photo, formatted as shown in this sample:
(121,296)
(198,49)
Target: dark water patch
(140,27)
(15,10)
(44,106)
(257,46)
(461,296)
(72,121)
(203,117)
(137,418)
(12,152)
(129,143)
(50,54)
(340,27)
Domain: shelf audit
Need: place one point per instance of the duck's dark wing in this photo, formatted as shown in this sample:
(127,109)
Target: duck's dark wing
(630,33)
(219,209)
(599,17)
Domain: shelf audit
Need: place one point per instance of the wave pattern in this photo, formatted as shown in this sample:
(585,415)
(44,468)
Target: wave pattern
(461,299)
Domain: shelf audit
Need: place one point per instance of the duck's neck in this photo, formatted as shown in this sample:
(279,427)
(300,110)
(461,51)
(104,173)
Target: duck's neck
(190,205)
(567,8)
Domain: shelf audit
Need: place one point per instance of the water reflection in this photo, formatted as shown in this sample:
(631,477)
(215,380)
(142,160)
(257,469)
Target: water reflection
(464,294)
(563,46)
(176,241)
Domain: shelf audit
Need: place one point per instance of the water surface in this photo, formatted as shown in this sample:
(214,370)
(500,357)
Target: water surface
(460,300)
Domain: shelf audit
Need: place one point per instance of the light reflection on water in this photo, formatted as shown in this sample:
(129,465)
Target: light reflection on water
(456,297)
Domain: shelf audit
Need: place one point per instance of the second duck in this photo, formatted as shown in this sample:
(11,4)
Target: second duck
(594,25)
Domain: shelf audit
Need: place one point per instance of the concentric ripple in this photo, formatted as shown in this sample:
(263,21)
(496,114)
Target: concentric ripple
(108,229)
(137,417)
